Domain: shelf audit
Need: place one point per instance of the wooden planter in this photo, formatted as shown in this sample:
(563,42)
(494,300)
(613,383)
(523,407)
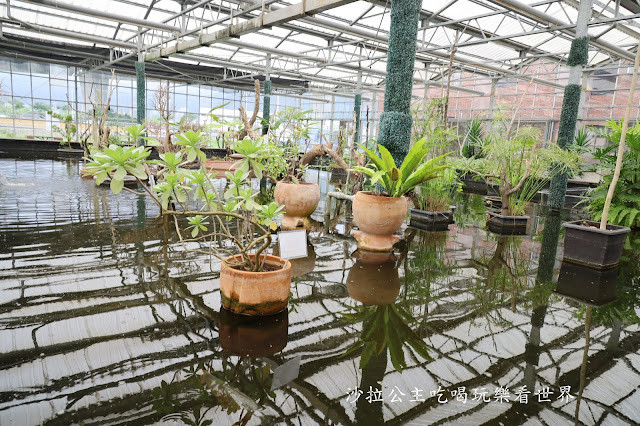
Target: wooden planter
(507,225)
(586,244)
(430,221)
(256,293)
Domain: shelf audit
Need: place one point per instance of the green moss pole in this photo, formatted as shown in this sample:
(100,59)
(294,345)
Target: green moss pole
(266,107)
(357,103)
(140,96)
(578,57)
(395,122)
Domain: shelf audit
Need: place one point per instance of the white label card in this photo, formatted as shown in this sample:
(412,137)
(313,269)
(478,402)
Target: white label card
(293,244)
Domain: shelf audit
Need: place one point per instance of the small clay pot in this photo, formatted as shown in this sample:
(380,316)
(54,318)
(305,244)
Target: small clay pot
(378,218)
(256,293)
(299,201)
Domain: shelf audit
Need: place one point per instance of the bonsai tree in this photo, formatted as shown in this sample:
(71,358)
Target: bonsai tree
(394,181)
(224,222)
(516,161)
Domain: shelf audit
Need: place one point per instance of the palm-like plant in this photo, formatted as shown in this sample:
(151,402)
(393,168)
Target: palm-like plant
(413,171)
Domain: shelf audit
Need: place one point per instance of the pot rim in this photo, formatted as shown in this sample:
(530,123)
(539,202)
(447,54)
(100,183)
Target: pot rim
(501,216)
(296,184)
(380,197)
(287,265)
(577,224)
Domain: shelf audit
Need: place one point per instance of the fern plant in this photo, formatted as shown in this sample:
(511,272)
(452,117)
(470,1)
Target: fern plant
(625,205)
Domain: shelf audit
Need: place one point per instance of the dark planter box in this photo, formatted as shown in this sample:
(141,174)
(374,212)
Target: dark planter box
(587,285)
(473,185)
(592,246)
(70,153)
(491,202)
(338,176)
(431,221)
(507,225)
(215,152)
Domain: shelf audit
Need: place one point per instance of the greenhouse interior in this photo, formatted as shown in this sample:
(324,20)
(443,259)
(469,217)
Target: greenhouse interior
(319,212)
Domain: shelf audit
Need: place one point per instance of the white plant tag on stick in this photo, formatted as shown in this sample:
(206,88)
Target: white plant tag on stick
(293,244)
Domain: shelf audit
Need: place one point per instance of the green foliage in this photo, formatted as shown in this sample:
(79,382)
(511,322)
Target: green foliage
(69,130)
(579,53)
(474,139)
(394,133)
(253,154)
(413,171)
(179,191)
(516,161)
(625,204)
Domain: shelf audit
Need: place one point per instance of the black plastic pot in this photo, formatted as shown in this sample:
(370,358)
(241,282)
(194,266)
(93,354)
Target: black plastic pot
(586,244)
(507,225)
(430,221)
(587,285)
(491,202)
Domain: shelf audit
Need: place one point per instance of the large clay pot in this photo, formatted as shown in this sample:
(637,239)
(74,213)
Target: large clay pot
(256,293)
(299,201)
(374,280)
(253,337)
(378,218)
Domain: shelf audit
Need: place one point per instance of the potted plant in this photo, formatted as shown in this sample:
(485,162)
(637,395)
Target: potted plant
(289,129)
(226,223)
(380,213)
(600,245)
(67,131)
(432,199)
(518,165)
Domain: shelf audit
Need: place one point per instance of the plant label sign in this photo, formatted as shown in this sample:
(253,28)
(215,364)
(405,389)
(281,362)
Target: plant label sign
(293,244)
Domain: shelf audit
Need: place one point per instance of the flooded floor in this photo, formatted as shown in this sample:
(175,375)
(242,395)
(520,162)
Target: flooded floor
(106,319)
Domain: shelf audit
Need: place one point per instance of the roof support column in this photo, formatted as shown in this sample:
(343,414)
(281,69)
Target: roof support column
(141,93)
(357,103)
(395,121)
(578,57)
(266,106)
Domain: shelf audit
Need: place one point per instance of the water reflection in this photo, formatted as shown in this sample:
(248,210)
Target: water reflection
(103,315)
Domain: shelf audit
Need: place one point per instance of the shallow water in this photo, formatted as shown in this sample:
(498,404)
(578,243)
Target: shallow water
(104,318)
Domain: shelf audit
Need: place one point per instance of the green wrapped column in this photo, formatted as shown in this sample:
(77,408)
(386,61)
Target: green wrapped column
(578,57)
(140,96)
(266,107)
(356,108)
(395,122)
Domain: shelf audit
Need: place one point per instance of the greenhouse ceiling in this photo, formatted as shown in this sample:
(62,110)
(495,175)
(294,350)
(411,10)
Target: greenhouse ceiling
(335,46)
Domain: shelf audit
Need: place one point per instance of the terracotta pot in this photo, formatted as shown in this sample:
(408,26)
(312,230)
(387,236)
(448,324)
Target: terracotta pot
(256,293)
(299,201)
(253,337)
(378,218)
(373,280)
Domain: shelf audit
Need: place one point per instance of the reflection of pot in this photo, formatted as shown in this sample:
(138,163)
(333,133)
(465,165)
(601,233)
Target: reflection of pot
(507,225)
(378,218)
(299,201)
(587,285)
(373,280)
(256,293)
(302,265)
(253,336)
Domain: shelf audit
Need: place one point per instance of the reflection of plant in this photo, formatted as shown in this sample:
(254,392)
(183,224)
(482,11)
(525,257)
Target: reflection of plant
(625,205)
(243,386)
(385,327)
(471,209)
